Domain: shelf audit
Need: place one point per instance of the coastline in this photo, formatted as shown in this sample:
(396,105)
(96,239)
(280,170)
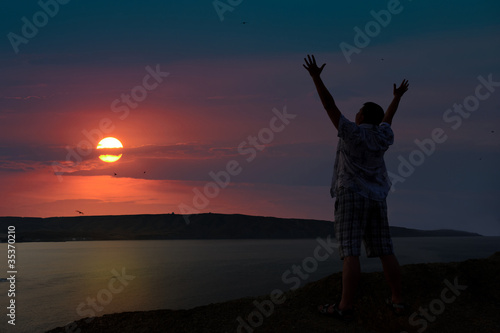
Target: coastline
(443,297)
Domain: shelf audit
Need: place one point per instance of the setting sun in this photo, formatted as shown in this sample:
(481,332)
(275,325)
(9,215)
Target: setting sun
(109,144)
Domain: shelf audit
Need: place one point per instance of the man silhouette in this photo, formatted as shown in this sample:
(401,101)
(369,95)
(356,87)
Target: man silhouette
(360,186)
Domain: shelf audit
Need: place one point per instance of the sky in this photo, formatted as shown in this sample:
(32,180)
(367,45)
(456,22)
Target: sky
(217,114)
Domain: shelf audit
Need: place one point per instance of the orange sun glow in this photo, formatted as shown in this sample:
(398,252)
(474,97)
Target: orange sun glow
(110,144)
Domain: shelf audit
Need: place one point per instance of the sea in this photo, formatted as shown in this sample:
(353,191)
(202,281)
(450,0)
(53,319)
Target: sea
(60,282)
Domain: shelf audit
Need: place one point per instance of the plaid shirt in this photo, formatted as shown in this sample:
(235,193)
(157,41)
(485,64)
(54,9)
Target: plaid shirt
(359,163)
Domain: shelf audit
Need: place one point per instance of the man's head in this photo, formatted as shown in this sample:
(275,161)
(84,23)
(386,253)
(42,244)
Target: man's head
(370,113)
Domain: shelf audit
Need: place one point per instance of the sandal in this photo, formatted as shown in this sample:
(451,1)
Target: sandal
(399,309)
(345,315)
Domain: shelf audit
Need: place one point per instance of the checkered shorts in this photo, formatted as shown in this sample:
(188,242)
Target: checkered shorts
(361,219)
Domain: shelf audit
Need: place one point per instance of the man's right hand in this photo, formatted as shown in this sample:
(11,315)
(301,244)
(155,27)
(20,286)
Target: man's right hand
(398,92)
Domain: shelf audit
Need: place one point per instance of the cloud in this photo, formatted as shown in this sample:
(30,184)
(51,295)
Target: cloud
(21,166)
(180,151)
(22,97)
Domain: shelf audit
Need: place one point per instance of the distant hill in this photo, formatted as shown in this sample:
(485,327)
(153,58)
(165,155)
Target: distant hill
(174,226)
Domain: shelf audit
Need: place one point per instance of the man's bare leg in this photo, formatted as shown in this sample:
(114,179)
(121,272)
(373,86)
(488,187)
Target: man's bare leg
(392,275)
(350,278)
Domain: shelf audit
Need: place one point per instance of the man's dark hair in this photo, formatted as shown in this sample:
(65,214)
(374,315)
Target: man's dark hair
(372,113)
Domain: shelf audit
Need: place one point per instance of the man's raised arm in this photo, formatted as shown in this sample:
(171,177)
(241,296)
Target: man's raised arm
(393,107)
(324,94)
